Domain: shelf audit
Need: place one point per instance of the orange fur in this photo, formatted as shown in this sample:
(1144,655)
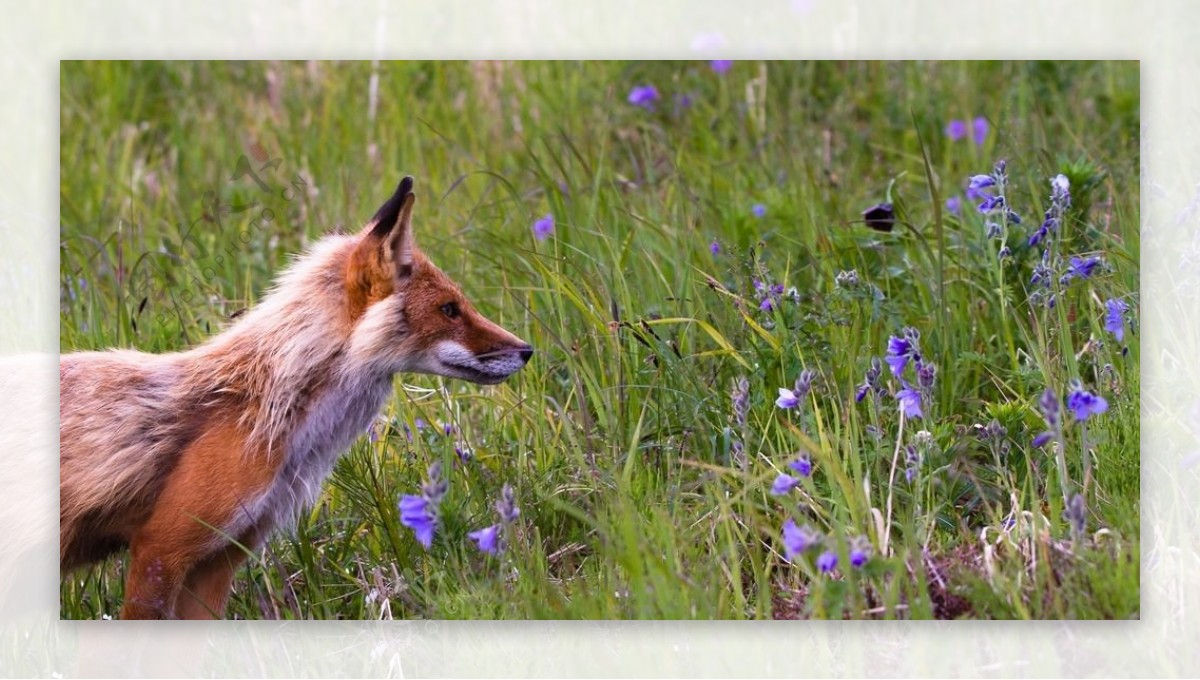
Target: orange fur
(191,459)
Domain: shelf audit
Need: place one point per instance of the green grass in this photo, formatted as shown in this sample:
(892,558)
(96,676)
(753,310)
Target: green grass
(618,438)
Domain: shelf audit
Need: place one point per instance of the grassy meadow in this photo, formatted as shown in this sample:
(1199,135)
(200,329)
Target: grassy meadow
(708,243)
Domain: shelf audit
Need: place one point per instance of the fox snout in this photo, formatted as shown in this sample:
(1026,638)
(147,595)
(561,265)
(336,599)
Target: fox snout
(489,367)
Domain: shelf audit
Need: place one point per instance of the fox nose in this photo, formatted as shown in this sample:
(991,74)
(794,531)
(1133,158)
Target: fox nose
(526,353)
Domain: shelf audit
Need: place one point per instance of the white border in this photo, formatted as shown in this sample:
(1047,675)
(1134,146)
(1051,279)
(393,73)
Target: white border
(33,37)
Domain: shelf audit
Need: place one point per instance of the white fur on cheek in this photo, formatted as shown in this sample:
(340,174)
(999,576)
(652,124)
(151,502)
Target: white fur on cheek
(376,336)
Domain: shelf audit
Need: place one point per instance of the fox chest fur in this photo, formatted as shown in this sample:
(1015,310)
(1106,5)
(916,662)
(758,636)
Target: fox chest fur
(335,418)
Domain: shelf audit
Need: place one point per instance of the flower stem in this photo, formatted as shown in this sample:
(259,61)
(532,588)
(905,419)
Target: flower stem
(1060,458)
(1087,458)
(887,525)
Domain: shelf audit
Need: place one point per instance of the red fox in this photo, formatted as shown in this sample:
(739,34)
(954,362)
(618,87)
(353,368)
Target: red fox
(187,457)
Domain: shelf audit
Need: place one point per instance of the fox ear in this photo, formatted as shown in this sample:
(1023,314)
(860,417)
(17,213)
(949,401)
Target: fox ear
(392,225)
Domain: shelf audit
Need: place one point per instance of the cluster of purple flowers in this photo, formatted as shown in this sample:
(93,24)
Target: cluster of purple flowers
(1082,404)
(995,436)
(1077,268)
(989,192)
(870,384)
(1060,200)
(793,398)
(903,350)
(646,96)
(784,483)
(770,295)
(798,540)
(421,513)
(957,129)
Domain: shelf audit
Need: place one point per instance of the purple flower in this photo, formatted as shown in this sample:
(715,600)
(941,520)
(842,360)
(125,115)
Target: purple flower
(899,352)
(758,209)
(861,392)
(373,432)
(797,539)
(714,248)
(787,399)
(1081,267)
(991,203)
(804,382)
(802,466)
(1048,403)
(543,227)
(880,217)
(1114,318)
(860,551)
(418,514)
(644,96)
(766,305)
(488,539)
(827,561)
(464,452)
(1060,186)
(506,507)
(926,374)
(979,129)
(910,402)
(870,381)
(980,182)
(956,130)
(721,66)
(1041,440)
(784,484)
(1076,513)
(954,205)
(1084,404)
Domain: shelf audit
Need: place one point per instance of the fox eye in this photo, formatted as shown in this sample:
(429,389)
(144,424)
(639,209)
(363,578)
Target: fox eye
(450,309)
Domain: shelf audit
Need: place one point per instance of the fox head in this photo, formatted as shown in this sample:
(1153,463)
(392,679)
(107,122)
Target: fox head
(409,316)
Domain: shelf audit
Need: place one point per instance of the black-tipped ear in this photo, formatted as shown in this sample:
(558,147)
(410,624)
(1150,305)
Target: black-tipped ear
(385,218)
(392,229)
